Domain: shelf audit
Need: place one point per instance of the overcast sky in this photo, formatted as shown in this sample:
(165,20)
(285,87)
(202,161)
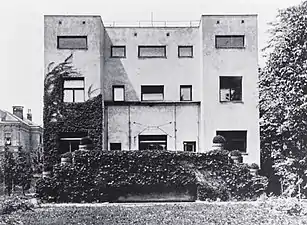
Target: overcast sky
(21,22)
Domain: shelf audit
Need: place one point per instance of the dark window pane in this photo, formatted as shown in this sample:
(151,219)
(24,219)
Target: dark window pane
(230,89)
(152,142)
(189,146)
(229,41)
(115,146)
(235,140)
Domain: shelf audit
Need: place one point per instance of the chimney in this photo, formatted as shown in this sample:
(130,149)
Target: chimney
(18,111)
(29,115)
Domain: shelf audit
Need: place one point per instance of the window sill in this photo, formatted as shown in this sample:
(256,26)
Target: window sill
(230,47)
(152,57)
(230,102)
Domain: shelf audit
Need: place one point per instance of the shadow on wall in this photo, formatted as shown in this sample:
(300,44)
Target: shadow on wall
(116,74)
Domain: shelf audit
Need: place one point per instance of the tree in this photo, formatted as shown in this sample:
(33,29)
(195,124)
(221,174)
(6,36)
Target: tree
(283,97)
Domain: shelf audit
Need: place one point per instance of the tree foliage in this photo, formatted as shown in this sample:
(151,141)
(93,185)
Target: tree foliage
(283,97)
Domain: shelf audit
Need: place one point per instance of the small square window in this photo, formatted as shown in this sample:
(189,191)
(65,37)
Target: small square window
(230,89)
(152,92)
(118,93)
(74,90)
(185,51)
(118,51)
(185,92)
(115,146)
(72,42)
(229,41)
(189,146)
(235,140)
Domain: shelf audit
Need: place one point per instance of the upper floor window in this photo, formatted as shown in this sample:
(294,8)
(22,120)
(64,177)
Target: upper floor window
(118,51)
(74,89)
(185,51)
(72,42)
(152,92)
(152,51)
(235,140)
(229,41)
(185,92)
(118,93)
(230,89)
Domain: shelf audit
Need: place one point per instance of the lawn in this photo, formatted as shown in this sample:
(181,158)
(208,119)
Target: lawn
(162,213)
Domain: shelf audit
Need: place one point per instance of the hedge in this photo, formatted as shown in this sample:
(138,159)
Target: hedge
(98,176)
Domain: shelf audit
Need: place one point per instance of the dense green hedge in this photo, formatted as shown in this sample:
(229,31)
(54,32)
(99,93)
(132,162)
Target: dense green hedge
(105,175)
(67,117)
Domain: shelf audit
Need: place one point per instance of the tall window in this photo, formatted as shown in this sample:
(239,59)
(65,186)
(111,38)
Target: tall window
(229,41)
(118,51)
(189,146)
(152,92)
(152,51)
(230,89)
(185,51)
(74,90)
(235,140)
(72,42)
(185,92)
(118,93)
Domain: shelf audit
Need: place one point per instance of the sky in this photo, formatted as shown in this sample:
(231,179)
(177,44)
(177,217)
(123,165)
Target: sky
(22,30)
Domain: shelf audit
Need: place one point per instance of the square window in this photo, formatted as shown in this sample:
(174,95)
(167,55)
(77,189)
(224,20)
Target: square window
(152,92)
(185,51)
(189,146)
(230,89)
(118,51)
(118,93)
(72,42)
(152,51)
(115,146)
(235,140)
(74,90)
(185,92)
(229,41)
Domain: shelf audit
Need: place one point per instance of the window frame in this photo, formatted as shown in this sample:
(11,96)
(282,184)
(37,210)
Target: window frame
(185,143)
(185,46)
(113,93)
(143,86)
(118,46)
(71,36)
(241,87)
(73,89)
(186,86)
(229,47)
(152,46)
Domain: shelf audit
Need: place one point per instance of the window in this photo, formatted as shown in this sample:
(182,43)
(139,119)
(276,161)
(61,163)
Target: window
(152,142)
(189,146)
(235,140)
(72,42)
(230,89)
(185,92)
(152,93)
(70,141)
(118,93)
(152,52)
(118,51)
(185,51)
(8,139)
(74,89)
(115,146)
(229,41)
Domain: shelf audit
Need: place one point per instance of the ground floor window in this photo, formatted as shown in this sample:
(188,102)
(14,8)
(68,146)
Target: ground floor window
(115,146)
(189,146)
(70,141)
(235,140)
(152,142)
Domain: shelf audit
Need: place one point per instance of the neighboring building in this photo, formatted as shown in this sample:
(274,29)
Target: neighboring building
(164,87)
(19,131)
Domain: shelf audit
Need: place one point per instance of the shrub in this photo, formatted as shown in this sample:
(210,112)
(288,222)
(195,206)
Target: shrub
(67,155)
(13,204)
(98,176)
(253,166)
(219,139)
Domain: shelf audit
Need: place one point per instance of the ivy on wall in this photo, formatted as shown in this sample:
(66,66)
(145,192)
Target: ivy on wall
(62,117)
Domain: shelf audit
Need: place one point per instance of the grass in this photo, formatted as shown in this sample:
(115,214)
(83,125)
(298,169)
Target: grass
(168,213)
